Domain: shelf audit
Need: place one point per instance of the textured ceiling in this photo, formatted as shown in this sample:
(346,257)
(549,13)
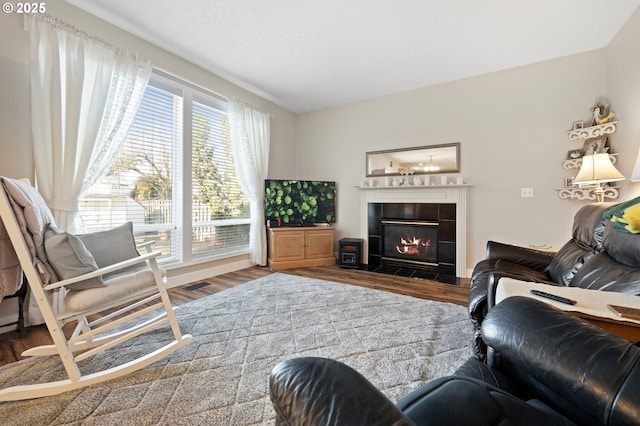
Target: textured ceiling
(306,55)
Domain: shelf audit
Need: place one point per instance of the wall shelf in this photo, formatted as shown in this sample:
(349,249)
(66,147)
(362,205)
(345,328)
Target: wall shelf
(577,163)
(593,131)
(586,194)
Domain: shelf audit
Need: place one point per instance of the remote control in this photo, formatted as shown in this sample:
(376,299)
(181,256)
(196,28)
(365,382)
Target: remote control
(553,297)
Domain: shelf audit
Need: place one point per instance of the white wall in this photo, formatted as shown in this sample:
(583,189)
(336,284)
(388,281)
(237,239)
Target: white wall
(512,128)
(15,119)
(623,89)
(15,111)
(14,86)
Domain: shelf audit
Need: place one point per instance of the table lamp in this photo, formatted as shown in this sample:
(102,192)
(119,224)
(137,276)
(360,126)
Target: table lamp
(596,170)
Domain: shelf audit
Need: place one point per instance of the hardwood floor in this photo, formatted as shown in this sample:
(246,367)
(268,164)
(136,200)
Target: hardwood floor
(12,345)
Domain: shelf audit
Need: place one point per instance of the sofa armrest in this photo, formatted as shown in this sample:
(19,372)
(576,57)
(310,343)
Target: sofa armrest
(483,289)
(531,258)
(494,281)
(319,391)
(578,368)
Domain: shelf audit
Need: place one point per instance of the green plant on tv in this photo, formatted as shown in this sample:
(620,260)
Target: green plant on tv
(298,202)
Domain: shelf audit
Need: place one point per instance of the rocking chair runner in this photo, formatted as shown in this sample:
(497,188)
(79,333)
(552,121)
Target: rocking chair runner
(79,283)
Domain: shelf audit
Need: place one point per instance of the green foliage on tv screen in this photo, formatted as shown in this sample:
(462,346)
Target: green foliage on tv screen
(297,202)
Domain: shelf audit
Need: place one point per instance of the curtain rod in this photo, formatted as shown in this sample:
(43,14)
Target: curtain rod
(61,24)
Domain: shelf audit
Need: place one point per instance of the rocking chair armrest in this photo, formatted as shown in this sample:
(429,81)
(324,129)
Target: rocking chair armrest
(146,246)
(107,269)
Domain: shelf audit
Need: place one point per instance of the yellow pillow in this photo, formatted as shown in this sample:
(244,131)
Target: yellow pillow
(631,217)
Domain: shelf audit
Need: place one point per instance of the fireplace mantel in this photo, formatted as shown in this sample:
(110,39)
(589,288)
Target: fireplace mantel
(453,194)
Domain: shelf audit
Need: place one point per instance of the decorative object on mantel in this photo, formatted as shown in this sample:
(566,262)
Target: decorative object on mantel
(595,160)
(413,182)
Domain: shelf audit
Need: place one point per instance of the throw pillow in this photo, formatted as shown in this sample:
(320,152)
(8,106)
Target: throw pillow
(625,217)
(622,246)
(111,246)
(69,258)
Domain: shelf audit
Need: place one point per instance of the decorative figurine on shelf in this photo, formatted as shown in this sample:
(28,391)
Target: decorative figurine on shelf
(606,119)
(405,174)
(601,111)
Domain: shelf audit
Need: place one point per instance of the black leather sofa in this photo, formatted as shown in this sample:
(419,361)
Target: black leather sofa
(547,368)
(597,257)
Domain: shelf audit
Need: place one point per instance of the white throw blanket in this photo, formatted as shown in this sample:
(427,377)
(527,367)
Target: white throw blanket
(10,270)
(33,217)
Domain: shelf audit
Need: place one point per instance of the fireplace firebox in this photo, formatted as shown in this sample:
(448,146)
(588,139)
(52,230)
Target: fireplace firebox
(413,242)
(413,239)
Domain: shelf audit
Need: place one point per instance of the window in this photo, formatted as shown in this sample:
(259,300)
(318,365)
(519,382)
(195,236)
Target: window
(175,178)
(220,208)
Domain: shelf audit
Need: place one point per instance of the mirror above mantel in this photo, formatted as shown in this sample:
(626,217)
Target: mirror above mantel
(420,160)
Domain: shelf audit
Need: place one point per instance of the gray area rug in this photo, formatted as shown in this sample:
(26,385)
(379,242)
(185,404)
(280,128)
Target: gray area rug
(220,378)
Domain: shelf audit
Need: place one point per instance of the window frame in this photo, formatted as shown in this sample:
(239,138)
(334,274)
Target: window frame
(182,223)
(191,93)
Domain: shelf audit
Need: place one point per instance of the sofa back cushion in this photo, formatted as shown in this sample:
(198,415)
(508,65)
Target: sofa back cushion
(567,261)
(587,235)
(589,224)
(587,239)
(602,272)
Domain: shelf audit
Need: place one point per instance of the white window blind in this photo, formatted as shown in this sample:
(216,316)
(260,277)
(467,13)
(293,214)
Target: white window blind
(220,208)
(150,184)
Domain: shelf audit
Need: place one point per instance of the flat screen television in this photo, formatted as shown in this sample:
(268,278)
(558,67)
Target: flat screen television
(300,202)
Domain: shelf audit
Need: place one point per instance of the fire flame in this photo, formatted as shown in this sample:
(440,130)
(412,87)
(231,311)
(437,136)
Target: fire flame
(413,245)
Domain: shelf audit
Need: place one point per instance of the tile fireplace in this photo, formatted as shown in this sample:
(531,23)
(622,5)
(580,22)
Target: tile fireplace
(416,231)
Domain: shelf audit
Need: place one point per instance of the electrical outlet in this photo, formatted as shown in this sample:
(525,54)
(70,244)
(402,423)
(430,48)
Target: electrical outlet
(526,192)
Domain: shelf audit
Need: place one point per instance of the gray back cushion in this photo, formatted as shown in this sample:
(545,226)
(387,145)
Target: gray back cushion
(622,246)
(111,246)
(70,258)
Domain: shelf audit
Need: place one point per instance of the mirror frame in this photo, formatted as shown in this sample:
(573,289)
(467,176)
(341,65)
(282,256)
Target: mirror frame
(420,154)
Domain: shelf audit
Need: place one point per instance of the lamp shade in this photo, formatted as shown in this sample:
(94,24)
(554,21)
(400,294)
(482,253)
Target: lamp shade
(596,169)
(635,175)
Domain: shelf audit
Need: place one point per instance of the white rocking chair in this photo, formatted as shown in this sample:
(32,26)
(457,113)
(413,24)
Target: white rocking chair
(62,297)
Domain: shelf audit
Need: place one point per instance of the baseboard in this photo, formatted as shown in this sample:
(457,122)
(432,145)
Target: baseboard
(212,271)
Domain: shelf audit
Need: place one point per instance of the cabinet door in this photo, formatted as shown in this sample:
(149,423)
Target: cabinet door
(319,243)
(287,245)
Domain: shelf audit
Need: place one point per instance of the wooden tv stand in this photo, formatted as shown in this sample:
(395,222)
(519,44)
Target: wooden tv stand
(300,247)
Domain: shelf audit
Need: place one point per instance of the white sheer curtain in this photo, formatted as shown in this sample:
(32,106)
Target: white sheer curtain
(250,138)
(84,95)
